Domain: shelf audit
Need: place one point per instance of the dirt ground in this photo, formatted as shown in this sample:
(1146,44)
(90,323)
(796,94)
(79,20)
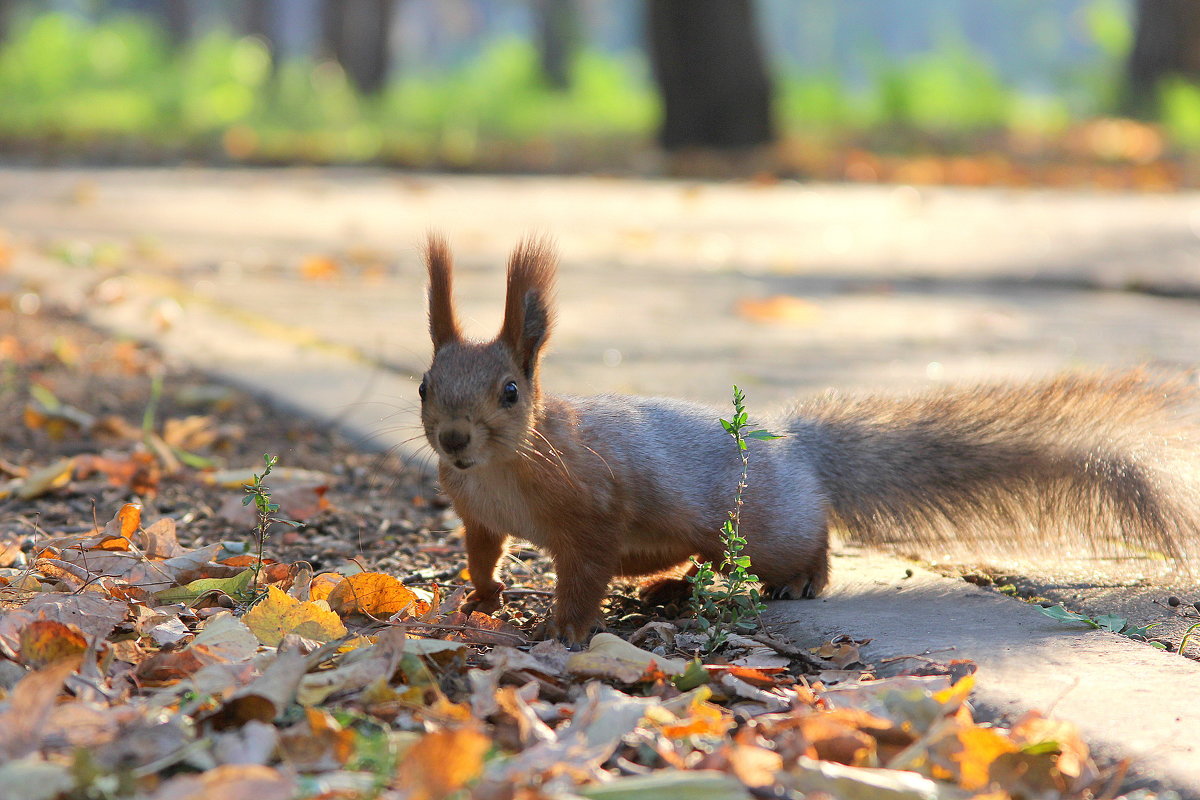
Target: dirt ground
(360,508)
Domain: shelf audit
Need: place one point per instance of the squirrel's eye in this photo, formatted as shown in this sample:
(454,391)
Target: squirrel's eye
(509,395)
(421,390)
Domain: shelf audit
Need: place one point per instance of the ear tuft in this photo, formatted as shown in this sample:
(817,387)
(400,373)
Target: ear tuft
(527,312)
(443,320)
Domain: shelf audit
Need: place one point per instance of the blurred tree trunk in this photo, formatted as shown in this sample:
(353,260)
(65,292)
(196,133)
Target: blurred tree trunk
(709,65)
(256,18)
(176,20)
(1166,42)
(558,35)
(358,34)
(6,10)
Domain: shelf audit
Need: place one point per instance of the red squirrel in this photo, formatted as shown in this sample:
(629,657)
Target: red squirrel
(629,486)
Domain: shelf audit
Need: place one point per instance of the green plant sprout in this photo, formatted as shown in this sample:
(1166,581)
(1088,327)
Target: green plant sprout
(258,493)
(1106,622)
(731,605)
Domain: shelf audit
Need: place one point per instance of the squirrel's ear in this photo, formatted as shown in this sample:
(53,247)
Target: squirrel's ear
(443,322)
(528,316)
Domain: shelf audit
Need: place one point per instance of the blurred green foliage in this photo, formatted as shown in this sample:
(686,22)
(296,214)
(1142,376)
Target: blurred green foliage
(63,79)
(118,83)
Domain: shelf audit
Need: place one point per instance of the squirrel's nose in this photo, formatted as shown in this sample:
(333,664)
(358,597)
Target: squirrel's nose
(453,441)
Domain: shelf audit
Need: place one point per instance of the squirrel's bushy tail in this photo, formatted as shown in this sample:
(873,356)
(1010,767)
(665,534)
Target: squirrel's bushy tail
(1109,463)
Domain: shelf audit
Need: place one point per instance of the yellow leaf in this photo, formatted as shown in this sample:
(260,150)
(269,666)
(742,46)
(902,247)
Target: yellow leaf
(278,615)
(374,594)
(980,747)
(47,479)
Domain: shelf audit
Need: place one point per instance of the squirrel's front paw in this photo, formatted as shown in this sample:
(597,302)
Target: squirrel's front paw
(572,635)
(484,601)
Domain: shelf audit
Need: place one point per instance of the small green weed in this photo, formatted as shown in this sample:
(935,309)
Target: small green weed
(733,604)
(1105,622)
(258,493)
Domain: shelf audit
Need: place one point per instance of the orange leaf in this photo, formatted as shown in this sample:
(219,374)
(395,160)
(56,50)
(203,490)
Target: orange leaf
(782,309)
(318,268)
(45,641)
(323,585)
(443,762)
(126,521)
(980,747)
(375,594)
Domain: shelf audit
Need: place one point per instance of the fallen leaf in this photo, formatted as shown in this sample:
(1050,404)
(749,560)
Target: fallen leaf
(47,479)
(229,782)
(317,743)
(125,522)
(227,638)
(265,697)
(609,656)
(323,584)
(670,784)
(980,747)
(29,705)
(779,309)
(46,641)
(31,778)
(858,783)
(374,594)
(319,268)
(238,587)
(443,762)
(278,615)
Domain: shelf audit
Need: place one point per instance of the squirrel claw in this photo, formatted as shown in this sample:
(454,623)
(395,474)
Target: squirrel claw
(484,602)
(549,629)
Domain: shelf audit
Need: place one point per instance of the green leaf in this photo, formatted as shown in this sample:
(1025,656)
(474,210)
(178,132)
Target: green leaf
(762,435)
(1062,615)
(237,587)
(1111,622)
(1041,748)
(693,676)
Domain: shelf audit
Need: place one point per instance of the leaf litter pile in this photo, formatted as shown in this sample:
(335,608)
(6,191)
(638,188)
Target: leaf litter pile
(143,655)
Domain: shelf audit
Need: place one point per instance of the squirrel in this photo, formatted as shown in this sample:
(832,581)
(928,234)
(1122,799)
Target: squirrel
(627,486)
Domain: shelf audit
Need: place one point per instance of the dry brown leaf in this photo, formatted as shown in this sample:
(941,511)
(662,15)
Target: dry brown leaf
(481,629)
(609,656)
(265,697)
(317,743)
(230,782)
(29,705)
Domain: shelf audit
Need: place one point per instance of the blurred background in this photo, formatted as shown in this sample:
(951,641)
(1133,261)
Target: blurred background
(1007,92)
